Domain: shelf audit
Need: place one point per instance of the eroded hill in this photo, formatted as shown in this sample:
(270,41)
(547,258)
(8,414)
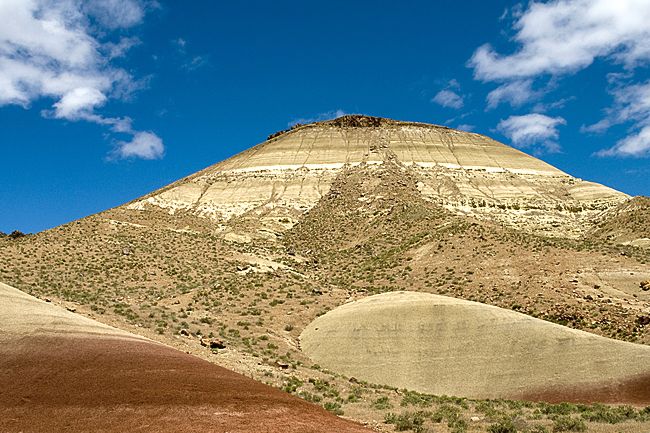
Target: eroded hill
(232,263)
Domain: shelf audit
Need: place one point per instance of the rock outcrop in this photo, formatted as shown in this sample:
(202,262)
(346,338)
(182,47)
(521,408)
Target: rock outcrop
(277,181)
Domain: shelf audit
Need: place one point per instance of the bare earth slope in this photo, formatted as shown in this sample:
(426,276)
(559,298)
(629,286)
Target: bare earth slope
(447,346)
(62,372)
(628,223)
(280,179)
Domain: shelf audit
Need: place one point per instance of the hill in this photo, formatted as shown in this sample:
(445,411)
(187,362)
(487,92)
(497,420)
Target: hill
(248,252)
(63,372)
(447,346)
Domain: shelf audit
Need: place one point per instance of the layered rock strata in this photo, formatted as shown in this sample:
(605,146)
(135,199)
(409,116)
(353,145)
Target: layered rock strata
(280,179)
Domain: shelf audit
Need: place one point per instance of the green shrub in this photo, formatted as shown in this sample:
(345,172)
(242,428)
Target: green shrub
(416,399)
(381,403)
(413,421)
(309,396)
(566,423)
(292,384)
(559,409)
(611,415)
(458,425)
(334,407)
(445,412)
(503,426)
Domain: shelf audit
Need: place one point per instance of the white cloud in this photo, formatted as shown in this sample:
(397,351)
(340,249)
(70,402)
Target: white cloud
(190,63)
(631,104)
(180,43)
(448,98)
(114,14)
(564,36)
(52,49)
(119,49)
(78,103)
(636,145)
(195,63)
(516,93)
(145,145)
(466,127)
(561,37)
(532,130)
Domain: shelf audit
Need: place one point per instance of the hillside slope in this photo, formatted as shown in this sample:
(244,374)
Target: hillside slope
(63,372)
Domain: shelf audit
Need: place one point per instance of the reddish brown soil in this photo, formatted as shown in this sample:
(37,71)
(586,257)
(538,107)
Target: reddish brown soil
(108,385)
(635,390)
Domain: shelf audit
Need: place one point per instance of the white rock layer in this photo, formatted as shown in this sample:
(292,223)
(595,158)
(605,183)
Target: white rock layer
(465,172)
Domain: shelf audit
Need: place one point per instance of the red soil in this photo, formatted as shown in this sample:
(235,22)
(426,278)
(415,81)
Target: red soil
(634,390)
(61,384)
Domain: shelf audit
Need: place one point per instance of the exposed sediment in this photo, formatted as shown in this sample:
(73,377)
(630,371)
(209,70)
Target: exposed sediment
(465,172)
(442,345)
(62,372)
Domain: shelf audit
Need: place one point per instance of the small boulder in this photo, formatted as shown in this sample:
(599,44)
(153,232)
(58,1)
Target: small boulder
(213,343)
(643,320)
(645,285)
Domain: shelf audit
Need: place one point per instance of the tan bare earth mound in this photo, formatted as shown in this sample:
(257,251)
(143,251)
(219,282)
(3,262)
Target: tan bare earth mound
(62,372)
(442,345)
(469,174)
(627,223)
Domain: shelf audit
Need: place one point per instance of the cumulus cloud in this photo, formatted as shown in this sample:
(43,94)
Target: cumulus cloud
(532,130)
(516,93)
(631,104)
(78,103)
(637,145)
(449,97)
(61,50)
(145,145)
(564,36)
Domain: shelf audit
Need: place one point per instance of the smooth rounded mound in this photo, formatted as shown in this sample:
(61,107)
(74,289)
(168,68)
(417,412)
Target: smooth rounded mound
(61,372)
(442,345)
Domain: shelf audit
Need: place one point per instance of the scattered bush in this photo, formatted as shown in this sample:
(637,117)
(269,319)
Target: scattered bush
(564,423)
(334,407)
(292,384)
(381,403)
(611,415)
(503,426)
(413,421)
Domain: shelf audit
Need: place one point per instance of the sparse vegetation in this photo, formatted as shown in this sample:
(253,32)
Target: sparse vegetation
(371,233)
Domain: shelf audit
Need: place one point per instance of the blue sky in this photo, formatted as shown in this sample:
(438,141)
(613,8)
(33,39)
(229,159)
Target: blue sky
(104,101)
